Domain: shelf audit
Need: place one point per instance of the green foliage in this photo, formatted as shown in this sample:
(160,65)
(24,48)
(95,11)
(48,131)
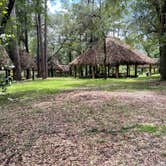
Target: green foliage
(5,36)
(3,11)
(4,82)
(144,28)
(82,25)
(147,128)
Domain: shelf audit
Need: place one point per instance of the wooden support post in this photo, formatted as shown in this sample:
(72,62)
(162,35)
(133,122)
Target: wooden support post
(9,73)
(154,69)
(86,71)
(142,70)
(136,70)
(117,71)
(75,71)
(6,73)
(70,71)
(28,74)
(93,72)
(108,70)
(81,71)
(128,71)
(90,70)
(99,69)
(105,72)
(150,69)
(96,71)
(33,74)
(52,72)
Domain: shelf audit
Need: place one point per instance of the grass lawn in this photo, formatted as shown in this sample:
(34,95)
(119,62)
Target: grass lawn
(31,89)
(67,121)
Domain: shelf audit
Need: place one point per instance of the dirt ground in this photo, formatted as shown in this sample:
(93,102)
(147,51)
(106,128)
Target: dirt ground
(85,127)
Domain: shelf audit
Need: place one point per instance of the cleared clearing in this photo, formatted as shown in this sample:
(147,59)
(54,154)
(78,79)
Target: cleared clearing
(85,127)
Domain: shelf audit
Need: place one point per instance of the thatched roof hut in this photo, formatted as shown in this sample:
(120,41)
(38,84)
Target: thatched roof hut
(27,61)
(4,58)
(117,54)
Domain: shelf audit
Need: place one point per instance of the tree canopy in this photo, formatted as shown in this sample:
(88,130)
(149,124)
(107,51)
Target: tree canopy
(77,25)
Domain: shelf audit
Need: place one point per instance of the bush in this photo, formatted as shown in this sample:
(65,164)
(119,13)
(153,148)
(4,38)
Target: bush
(4,82)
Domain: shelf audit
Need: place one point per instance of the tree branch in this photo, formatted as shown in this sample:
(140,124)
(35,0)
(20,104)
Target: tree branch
(6,16)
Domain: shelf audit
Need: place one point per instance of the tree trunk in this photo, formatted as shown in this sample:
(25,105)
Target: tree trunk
(26,35)
(163,42)
(28,72)
(14,52)
(105,58)
(45,70)
(40,56)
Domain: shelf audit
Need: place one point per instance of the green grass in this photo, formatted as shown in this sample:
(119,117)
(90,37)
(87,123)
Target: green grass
(32,89)
(147,128)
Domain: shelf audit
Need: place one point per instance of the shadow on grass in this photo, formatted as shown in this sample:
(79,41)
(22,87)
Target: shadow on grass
(126,85)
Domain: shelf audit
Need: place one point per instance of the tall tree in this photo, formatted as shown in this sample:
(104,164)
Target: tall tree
(41,19)
(163,40)
(150,17)
(40,46)
(13,49)
(24,19)
(45,59)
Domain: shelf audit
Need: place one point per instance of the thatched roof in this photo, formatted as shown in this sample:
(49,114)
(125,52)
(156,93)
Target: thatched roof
(65,68)
(53,63)
(156,61)
(27,62)
(117,54)
(4,58)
